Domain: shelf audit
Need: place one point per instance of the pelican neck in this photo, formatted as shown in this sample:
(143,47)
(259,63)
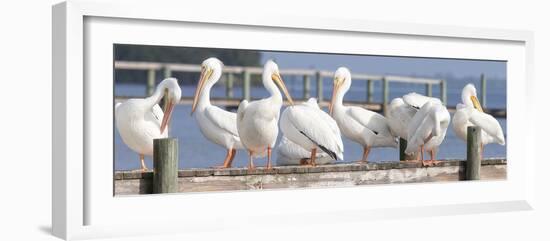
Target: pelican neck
(270,86)
(204,98)
(155,97)
(339,98)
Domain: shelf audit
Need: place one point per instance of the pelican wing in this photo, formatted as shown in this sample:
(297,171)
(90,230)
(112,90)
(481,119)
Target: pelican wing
(418,118)
(399,116)
(417,100)
(420,134)
(242,109)
(420,128)
(290,153)
(223,119)
(312,102)
(291,150)
(428,127)
(488,124)
(157,112)
(370,120)
(310,123)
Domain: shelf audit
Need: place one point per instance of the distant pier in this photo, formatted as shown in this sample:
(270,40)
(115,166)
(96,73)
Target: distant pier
(242,74)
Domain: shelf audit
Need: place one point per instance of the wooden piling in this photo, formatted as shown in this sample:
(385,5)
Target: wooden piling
(246,85)
(402,147)
(385,94)
(167,72)
(165,165)
(483,98)
(369,91)
(473,153)
(443,91)
(150,88)
(229,85)
(306,86)
(429,90)
(319,77)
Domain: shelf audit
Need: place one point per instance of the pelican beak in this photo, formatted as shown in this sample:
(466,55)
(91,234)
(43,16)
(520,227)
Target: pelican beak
(205,75)
(168,108)
(335,89)
(279,81)
(476,103)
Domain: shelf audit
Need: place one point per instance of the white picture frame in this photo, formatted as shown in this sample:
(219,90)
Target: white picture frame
(81,208)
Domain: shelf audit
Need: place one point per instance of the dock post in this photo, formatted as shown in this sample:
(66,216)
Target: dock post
(385,94)
(429,90)
(402,147)
(319,77)
(246,85)
(167,72)
(473,154)
(306,86)
(443,91)
(229,86)
(150,82)
(165,165)
(369,91)
(483,98)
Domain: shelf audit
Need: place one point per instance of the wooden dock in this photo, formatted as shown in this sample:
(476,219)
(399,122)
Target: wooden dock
(242,76)
(335,175)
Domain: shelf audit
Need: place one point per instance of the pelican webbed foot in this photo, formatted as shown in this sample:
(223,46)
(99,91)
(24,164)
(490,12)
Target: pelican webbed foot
(430,163)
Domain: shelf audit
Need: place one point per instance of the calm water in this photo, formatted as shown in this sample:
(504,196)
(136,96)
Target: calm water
(196,151)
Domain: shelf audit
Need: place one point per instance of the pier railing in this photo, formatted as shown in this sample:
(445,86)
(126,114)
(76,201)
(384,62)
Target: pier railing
(245,72)
(232,74)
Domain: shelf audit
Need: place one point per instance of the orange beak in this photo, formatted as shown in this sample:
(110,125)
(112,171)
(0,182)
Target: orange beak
(279,81)
(477,105)
(205,74)
(335,89)
(168,109)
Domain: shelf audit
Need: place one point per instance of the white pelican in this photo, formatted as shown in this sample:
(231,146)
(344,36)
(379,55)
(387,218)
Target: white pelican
(217,125)
(257,121)
(363,126)
(290,153)
(311,128)
(427,129)
(139,121)
(470,113)
(402,110)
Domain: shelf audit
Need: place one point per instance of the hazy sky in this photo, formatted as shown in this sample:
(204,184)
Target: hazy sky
(427,67)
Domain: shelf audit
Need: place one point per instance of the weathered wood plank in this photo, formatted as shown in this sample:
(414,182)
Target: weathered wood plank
(336,175)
